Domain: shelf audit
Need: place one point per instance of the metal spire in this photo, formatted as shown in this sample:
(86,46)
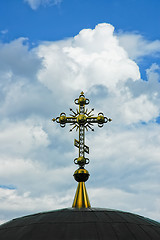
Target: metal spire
(82,120)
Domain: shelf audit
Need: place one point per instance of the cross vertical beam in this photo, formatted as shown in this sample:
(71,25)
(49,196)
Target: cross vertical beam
(81,140)
(81,132)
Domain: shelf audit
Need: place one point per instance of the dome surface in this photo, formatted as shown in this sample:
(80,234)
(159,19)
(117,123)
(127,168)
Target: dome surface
(78,224)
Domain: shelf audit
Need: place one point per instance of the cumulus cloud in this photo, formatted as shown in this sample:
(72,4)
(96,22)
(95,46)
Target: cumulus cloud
(109,197)
(87,63)
(35,4)
(137,46)
(17,61)
(36,155)
(26,135)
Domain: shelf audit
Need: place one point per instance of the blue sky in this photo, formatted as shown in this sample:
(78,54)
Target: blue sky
(57,21)
(49,52)
(67,18)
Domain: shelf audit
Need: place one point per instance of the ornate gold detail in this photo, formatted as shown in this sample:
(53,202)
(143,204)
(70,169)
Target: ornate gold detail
(81,120)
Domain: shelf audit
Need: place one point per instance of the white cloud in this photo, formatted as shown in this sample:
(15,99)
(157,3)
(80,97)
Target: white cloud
(86,63)
(36,155)
(137,46)
(80,63)
(140,109)
(17,61)
(35,4)
(22,137)
(134,202)
(13,203)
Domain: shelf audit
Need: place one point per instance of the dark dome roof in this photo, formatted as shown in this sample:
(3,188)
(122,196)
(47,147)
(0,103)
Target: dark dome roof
(84,223)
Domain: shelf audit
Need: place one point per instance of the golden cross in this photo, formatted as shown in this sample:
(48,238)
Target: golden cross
(81,119)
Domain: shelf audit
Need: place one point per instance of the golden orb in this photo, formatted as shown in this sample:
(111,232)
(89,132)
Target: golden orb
(81,119)
(100,119)
(81,161)
(81,175)
(62,119)
(82,101)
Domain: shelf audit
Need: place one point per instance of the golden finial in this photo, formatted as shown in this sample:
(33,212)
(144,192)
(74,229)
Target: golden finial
(82,120)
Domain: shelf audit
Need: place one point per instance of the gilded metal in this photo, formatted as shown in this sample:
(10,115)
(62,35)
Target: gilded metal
(81,175)
(81,199)
(81,120)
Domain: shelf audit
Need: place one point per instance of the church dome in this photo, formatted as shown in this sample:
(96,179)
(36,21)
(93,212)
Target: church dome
(83,223)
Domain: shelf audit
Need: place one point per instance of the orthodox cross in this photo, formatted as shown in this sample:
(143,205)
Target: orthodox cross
(81,120)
